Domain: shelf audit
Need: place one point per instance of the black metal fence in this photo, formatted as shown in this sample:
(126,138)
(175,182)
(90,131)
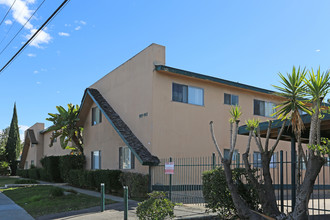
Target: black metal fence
(185,185)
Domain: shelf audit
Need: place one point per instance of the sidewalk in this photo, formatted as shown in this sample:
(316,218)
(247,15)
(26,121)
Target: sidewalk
(9,210)
(116,211)
(112,211)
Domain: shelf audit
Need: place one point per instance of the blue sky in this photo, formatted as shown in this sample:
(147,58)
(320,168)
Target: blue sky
(243,41)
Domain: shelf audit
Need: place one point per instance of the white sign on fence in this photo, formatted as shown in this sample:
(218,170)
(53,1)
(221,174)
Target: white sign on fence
(169,168)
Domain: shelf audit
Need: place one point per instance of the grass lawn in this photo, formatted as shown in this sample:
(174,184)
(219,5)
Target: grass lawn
(7,180)
(36,200)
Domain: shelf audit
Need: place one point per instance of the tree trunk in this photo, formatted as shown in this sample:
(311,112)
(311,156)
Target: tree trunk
(78,145)
(314,166)
(242,208)
(270,206)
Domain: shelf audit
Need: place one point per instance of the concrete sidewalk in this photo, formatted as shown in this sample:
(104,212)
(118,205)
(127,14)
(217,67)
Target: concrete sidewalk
(116,211)
(9,210)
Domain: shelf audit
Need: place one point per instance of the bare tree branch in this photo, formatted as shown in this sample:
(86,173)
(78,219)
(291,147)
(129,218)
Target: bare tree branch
(268,134)
(278,138)
(259,144)
(215,141)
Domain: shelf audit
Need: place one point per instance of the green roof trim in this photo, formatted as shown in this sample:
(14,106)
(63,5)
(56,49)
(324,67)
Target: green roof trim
(210,78)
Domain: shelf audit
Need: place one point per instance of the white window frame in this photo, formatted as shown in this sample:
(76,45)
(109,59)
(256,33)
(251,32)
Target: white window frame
(96,164)
(231,99)
(189,99)
(266,105)
(96,120)
(126,158)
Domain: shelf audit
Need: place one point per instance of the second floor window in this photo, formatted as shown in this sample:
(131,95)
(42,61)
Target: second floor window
(263,108)
(231,99)
(187,94)
(96,116)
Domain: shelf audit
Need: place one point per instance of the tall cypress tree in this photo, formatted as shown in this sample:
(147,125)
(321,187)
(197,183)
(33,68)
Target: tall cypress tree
(13,143)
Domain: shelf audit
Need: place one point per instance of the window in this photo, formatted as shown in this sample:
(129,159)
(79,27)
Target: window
(55,139)
(126,158)
(264,108)
(235,157)
(96,160)
(231,99)
(32,164)
(96,116)
(327,161)
(187,94)
(257,160)
(26,165)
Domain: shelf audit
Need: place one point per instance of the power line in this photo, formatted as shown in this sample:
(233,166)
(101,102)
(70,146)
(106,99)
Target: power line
(36,33)
(21,28)
(7,12)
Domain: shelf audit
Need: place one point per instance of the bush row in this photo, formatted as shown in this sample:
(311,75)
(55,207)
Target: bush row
(92,179)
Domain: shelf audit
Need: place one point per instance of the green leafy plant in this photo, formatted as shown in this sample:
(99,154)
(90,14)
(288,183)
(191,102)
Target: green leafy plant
(217,195)
(137,184)
(157,207)
(56,192)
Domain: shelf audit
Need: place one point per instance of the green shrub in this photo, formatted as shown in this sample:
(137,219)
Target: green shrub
(70,162)
(137,184)
(157,207)
(51,165)
(26,181)
(4,168)
(217,195)
(56,192)
(44,175)
(109,177)
(23,173)
(34,173)
(92,179)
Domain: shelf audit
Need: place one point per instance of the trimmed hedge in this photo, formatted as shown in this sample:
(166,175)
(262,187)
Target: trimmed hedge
(70,162)
(34,173)
(92,179)
(51,165)
(137,184)
(23,173)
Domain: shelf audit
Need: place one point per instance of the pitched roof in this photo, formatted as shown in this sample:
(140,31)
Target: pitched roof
(210,78)
(138,149)
(29,138)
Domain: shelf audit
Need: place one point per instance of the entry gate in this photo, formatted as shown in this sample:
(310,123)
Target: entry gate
(185,185)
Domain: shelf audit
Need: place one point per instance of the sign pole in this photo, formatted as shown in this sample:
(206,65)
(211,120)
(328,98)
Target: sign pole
(170,193)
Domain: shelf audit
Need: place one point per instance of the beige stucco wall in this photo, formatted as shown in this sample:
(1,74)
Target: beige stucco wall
(103,137)
(56,149)
(182,130)
(35,153)
(128,89)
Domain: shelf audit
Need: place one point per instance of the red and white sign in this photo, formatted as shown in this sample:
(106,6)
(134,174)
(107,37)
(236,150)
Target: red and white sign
(169,168)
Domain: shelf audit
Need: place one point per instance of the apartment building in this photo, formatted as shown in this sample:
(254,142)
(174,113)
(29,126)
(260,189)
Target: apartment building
(36,146)
(144,110)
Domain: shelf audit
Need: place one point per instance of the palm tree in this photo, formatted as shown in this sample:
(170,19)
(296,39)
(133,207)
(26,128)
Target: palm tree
(317,87)
(65,127)
(293,90)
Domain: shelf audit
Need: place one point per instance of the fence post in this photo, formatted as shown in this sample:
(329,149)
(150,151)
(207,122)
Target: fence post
(150,178)
(102,197)
(125,202)
(170,190)
(281,182)
(213,161)
(293,171)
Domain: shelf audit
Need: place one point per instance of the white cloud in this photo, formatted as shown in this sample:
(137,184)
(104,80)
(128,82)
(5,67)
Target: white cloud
(67,25)
(41,38)
(21,13)
(64,34)
(58,92)
(38,83)
(78,28)
(83,22)
(318,50)
(31,55)
(8,22)
(22,129)
(36,72)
